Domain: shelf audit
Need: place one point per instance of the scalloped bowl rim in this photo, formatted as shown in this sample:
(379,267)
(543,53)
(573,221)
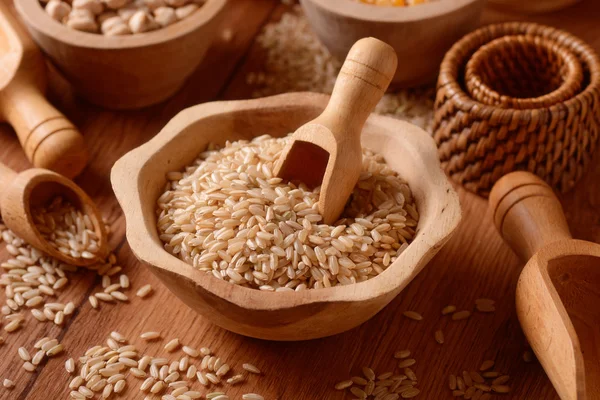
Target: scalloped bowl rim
(125,178)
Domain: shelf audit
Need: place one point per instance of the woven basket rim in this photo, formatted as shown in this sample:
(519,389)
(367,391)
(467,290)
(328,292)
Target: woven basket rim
(569,86)
(456,58)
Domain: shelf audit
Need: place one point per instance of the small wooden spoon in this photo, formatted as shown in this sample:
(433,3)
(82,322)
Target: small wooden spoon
(48,138)
(35,187)
(558,293)
(327,151)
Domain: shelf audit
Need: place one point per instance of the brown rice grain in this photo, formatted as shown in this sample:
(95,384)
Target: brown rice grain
(410,374)
(402,354)
(93,301)
(407,363)
(24,354)
(190,351)
(120,386)
(369,374)
(144,291)
(38,357)
(251,368)
(343,385)
(147,384)
(501,380)
(448,310)
(486,365)
(476,377)
(460,315)
(358,392)
(252,396)
(452,382)
(29,367)
(413,315)
(172,345)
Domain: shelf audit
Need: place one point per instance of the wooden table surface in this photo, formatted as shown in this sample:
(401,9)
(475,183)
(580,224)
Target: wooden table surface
(474,264)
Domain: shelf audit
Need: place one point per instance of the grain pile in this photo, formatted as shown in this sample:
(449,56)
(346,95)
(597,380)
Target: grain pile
(228,215)
(295,60)
(66,228)
(103,370)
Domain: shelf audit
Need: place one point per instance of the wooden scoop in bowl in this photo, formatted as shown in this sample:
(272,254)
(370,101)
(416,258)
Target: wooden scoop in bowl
(48,138)
(36,187)
(558,294)
(327,151)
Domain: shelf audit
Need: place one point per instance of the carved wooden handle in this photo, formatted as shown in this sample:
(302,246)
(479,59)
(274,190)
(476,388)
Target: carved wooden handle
(49,139)
(527,213)
(361,83)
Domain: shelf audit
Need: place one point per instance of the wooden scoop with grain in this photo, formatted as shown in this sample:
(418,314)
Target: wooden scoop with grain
(558,293)
(24,191)
(327,151)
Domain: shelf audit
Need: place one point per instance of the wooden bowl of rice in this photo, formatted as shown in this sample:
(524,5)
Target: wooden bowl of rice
(421,34)
(139,179)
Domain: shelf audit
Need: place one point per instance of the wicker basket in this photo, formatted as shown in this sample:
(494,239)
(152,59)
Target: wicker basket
(517,96)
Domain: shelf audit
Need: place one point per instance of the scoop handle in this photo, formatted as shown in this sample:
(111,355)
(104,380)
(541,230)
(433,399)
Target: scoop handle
(365,76)
(48,138)
(527,213)
(50,141)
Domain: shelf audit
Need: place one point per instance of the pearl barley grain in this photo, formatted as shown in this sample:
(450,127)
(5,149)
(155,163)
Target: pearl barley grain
(165,16)
(58,10)
(185,11)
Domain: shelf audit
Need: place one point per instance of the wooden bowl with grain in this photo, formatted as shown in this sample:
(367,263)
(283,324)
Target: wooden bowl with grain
(139,178)
(125,72)
(420,34)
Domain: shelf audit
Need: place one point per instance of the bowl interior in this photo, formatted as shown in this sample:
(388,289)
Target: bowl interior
(576,279)
(515,68)
(140,177)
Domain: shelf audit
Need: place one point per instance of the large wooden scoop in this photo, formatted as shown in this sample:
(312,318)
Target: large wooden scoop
(36,187)
(48,138)
(327,151)
(558,293)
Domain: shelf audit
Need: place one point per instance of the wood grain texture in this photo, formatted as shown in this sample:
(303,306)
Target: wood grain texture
(475,263)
